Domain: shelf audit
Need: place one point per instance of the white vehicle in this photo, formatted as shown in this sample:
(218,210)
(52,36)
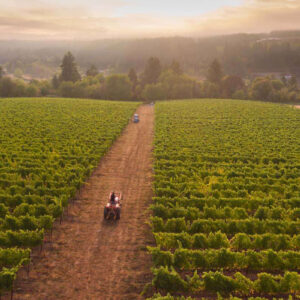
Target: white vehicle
(136,118)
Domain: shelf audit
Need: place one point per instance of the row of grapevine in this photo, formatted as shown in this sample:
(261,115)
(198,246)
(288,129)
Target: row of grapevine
(250,204)
(193,213)
(226,205)
(158,296)
(211,259)
(239,241)
(288,283)
(250,226)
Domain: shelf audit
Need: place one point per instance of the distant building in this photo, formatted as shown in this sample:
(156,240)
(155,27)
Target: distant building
(276,75)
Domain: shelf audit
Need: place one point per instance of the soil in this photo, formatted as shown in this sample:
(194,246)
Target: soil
(297,106)
(90,258)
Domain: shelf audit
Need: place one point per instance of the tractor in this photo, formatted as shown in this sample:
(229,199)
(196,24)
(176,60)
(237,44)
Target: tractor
(112,209)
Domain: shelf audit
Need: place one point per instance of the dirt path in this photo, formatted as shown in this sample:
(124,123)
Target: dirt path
(93,259)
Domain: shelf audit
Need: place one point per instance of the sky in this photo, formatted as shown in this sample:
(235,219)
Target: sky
(97,19)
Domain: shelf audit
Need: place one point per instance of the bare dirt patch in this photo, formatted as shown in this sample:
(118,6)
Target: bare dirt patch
(90,258)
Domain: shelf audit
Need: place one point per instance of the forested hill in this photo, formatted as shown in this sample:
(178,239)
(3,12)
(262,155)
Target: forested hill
(240,54)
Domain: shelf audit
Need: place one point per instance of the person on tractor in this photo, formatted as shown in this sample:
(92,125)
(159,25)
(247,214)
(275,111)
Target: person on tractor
(112,198)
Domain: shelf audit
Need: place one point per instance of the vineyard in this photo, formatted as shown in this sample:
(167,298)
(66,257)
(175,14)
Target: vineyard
(48,148)
(226,210)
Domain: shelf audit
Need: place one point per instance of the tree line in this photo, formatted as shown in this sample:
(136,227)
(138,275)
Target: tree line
(155,82)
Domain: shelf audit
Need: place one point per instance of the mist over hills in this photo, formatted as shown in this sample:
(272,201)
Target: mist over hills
(240,54)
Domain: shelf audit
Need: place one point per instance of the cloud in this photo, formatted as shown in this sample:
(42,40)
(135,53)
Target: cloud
(71,19)
(38,19)
(254,16)
(53,20)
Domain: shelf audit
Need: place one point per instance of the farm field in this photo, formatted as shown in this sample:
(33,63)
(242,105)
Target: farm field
(226,199)
(48,148)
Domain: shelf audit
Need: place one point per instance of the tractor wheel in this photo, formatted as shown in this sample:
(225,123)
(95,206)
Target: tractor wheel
(105,212)
(118,214)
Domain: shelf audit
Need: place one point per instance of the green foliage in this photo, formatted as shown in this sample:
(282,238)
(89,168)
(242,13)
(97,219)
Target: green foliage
(32,91)
(6,87)
(176,68)
(231,84)
(217,282)
(10,262)
(66,89)
(7,277)
(261,88)
(92,71)
(168,280)
(241,241)
(226,259)
(118,87)
(168,297)
(55,81)
(211,90)
(153,92)
(133,77)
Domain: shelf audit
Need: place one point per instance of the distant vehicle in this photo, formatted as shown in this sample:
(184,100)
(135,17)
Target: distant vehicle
(112,210)
(136,118)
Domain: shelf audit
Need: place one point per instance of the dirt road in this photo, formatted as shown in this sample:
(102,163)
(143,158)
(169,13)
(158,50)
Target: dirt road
(93,259)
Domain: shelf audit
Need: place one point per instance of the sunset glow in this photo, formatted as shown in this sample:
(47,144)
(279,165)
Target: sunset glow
(88,20)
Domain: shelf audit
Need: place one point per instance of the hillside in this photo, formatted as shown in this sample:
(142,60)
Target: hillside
(241,54)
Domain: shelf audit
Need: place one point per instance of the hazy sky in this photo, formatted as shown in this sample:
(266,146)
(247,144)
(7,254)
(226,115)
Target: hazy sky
(96,19)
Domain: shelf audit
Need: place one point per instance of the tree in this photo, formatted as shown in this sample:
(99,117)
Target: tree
(239,94)
(92,71)
(261,88)
(176,86)
(231,84)
(152,71)
(277,84)
(1,72)
(19,88)
(100,78)
(18,73)
(96,91)
(133,76)
(284,80)
(211,90)
(118,87)
(215,72)
(44,87)
(32,90)
(153,92)
(66,89)
(55,81)
(293,84)
(69,70)
(80,89)
(176,68)
(7,87)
